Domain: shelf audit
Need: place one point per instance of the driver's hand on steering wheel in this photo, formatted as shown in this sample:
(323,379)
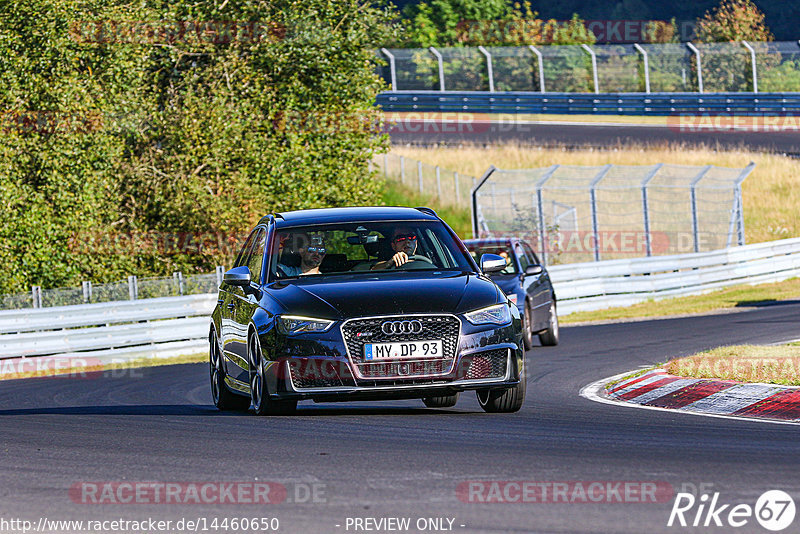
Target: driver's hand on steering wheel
(398,259)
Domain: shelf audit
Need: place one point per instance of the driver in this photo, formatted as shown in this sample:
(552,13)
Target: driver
(311,256)
(404,245)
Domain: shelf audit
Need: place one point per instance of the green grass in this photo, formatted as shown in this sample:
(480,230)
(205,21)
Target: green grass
(395,194)
(729,298)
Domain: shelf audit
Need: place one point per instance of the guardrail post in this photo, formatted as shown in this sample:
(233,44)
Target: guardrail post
(541,66)
(402,170)
(419,175)
(646,60)
(392,68)
(438,183)
(753,65)
(440,61)
(458,194)
(693,186)
(220,273)
(699,62)
(594,67)
(474,195)
(87,292)
(540,211)
(36,294)
(489,70)
(593,193)
(133,288)
(646,208)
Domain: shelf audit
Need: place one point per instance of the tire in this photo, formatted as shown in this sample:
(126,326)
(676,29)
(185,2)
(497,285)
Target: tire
(506,400)
(527,334)
(259,393)
(220,394)
(549,338)
(442,401)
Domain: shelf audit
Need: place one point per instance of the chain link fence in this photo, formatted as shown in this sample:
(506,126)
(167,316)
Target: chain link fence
(574,214)
(667,67)
(447,187)
(131,289)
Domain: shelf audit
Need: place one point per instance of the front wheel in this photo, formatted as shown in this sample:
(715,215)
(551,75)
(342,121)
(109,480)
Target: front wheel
(549,337)
(506,400)
(527,333)
(223,398)
(259,393)
(442,401)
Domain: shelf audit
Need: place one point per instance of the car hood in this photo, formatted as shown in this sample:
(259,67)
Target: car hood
(388,294)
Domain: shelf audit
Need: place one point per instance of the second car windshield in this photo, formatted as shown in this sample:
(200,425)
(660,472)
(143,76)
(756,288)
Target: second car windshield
(502,251)
(319,250)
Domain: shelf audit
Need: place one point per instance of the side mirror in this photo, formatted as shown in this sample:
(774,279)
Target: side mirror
(492,263)
(238,276)
(534,269)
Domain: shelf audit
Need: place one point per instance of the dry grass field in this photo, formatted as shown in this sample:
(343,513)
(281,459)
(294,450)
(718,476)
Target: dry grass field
(771,193)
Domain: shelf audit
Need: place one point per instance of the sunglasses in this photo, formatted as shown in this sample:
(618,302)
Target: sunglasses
(402,237)
(318,250)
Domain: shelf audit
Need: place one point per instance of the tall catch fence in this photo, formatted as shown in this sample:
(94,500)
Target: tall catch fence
(665,67)
(447,187)
(573,214)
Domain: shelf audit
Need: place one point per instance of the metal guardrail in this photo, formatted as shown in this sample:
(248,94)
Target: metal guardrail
(605,284)
(660,104)
(142,328)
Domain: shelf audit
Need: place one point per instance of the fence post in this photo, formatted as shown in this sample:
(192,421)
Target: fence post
(402,170)
(369,166)
(392,68)
(87,292)
(540,210)
(419,175)
(220,273)
(737,215)
(458,195)
(133,288)
(541,66)
(753,65)
(474,195)
(439,60)
(646,208)
(643,52)
(438,182)
(593,193)
(36,294)
(385,165)
(489,70)
(178,275)
(693,186)
(699,62)
(594,67)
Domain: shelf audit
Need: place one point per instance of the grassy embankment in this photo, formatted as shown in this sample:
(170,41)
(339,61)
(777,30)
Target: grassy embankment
(771,204)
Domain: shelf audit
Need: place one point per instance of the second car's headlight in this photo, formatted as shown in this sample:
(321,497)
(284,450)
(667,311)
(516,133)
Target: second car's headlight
(498,314)
(293,324)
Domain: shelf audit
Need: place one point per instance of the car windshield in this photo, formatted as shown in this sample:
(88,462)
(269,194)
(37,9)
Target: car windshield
(501,250)
(320,250)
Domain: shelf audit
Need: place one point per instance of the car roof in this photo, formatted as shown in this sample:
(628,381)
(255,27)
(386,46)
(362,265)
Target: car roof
(492,242)
(355,214)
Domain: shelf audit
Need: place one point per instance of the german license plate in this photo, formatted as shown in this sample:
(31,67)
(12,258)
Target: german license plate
(403,350)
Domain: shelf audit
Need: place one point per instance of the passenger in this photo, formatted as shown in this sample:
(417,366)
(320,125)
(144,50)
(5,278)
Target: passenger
(311,256)
(404,245)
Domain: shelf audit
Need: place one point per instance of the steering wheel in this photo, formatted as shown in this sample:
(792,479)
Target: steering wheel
(415,257)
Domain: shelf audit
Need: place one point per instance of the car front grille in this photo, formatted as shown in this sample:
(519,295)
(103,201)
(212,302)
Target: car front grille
(489,364)
(358,332)
(310,373)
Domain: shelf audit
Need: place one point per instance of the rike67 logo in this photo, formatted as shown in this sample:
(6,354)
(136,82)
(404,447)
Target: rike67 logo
(774,510)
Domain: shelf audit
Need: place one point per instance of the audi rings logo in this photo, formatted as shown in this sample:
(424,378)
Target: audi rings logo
(401,327)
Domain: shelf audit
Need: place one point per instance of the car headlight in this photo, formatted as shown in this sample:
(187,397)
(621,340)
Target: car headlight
(293,324)
(497,314)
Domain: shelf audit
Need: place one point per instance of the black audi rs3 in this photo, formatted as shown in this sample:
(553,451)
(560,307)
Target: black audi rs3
(349,304)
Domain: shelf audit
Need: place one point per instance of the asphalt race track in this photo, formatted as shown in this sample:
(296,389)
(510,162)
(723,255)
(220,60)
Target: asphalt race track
(426,133)
(399,459)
